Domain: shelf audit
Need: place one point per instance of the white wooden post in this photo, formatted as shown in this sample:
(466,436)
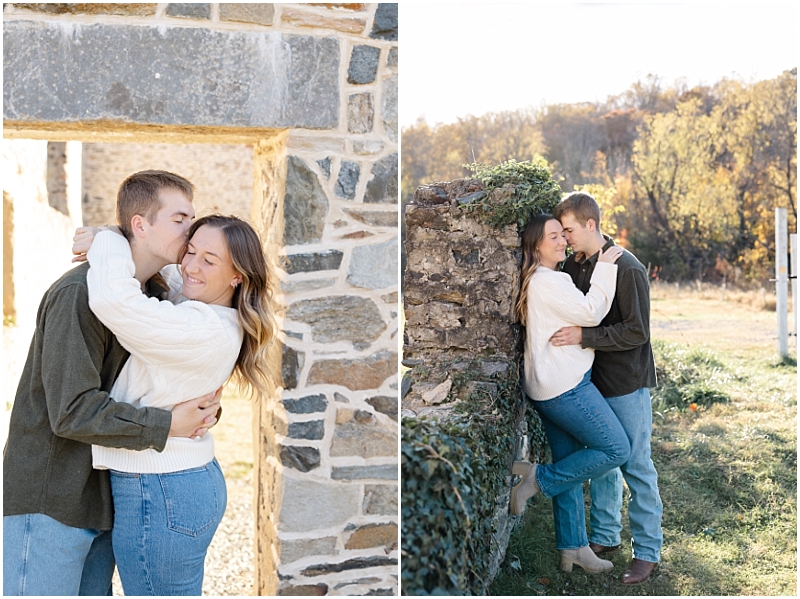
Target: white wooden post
(793,238)
(782,281)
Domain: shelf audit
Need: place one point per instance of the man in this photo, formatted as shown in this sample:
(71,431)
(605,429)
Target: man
(57,510)
(623,372)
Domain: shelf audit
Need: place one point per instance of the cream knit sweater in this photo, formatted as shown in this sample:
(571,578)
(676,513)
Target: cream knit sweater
(179,351)
(555,302)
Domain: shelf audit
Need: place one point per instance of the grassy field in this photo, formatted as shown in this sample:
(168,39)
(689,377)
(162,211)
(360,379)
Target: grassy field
(727,471)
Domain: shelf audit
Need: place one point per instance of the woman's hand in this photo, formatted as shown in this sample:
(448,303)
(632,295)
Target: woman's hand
(84,236)
(611,255)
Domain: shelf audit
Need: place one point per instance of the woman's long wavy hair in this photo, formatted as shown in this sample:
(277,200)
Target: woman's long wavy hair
(531,238)
(252,299)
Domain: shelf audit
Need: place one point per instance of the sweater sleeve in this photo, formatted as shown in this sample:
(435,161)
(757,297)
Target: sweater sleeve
(73,348)
(172,276)
(154,331)
(569,304)
(633,301)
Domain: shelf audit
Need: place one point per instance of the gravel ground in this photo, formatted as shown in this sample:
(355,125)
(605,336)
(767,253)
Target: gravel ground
(229,563)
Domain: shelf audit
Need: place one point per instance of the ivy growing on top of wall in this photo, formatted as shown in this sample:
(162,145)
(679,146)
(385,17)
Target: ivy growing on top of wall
(453,472)
(514,192)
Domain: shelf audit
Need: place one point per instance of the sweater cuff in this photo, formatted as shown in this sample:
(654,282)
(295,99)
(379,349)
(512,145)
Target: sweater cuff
(156,429)
(588,337)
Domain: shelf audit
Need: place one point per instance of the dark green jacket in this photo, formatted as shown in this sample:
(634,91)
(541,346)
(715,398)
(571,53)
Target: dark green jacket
(623,357)
(62,406)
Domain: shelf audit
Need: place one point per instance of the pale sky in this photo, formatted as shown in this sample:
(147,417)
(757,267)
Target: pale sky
(474,58)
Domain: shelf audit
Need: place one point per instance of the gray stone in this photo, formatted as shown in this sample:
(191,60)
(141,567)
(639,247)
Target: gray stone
(142,75)
(340,398)
(385,25)
(347,181)
(380,500)
(357,563)
(325,166)
(384,472)
(62,8)
(304,206)
(382,188)
(360,113)
(316,505)
(366,440)
(374,218)
(391,60)
(374,266)
(313,430)
(291,364)
(339,318)
(327,260)
(385,404)
(367,147)
(190,11)
(294,335)
(295,549)
(306,405)
(259,13)
(303,459)
(363,64)
(389,107)
(304,590)
(371,580)
(290,287)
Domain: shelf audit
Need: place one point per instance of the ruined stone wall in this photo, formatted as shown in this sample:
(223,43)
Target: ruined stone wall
(462,338)
(312,90)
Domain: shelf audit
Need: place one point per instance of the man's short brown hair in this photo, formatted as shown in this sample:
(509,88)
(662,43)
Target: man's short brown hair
(138,194)
(581,205)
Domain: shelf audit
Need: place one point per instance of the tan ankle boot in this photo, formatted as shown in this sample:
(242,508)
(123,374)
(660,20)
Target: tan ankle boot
(527,487)
(585,558)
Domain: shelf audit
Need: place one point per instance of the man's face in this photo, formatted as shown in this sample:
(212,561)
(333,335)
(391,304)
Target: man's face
(167,234)
(578,236)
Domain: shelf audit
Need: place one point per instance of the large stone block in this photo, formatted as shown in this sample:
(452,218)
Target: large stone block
(302,18)
(360,113)
(355,373)
(372,535)
(380,500)
(365,440)
(374,266)
(189,11)
(357,563)
(291,364)
(382,188)
(363,64)
(311,505)
(259,13)
(313,430)
(304,205)
(385,24)
(303,459)
(383,472)
(347,181)
(325,260)
(295,549)
(168,76)
(385,404)
(389,107)
(339,318)
(374,218)
(306,405)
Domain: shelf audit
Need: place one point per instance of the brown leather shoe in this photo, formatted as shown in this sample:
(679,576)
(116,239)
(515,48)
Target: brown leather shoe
(603,549)
(638,571)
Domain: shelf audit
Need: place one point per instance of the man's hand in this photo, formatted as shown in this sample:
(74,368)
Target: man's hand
(567,336)
(193,418)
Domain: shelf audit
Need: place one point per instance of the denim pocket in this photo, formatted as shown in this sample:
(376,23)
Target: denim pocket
(191,500)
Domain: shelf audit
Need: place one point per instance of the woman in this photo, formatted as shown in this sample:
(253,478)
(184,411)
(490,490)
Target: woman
(585,436)
(167,504)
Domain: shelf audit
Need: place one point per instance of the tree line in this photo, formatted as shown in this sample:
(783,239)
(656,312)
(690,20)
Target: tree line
(688,178)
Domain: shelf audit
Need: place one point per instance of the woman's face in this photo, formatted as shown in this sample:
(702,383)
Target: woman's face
(552,248)
(207,268)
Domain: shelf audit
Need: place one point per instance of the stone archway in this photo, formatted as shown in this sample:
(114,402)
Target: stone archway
(270,76)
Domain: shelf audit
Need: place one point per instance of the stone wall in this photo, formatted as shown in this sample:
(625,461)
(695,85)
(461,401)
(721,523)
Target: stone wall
(311,90)
(461,335)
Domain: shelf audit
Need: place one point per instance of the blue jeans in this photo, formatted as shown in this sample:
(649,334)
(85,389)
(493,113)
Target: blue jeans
(42,556)
(586,440)
(644,507)
(163,525)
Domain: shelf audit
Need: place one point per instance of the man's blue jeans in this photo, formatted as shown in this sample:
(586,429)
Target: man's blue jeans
(644,507)
(163,525)
(42,556)
(586,440)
